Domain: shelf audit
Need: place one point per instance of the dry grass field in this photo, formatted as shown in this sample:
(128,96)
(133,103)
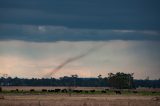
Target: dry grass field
(65,99)
(78,100)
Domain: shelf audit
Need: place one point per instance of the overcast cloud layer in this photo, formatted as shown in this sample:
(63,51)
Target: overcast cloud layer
(79,20)
(60,33)
(106,14)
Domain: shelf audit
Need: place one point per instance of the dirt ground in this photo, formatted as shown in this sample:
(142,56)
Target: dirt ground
(78,100)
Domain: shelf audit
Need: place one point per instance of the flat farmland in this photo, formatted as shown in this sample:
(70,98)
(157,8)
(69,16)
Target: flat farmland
(75,99)
(78,100)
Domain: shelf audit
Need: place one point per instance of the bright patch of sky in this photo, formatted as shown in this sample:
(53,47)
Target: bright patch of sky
(26,59)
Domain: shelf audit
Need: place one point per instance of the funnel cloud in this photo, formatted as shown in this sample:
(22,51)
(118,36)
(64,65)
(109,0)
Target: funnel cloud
(72,59)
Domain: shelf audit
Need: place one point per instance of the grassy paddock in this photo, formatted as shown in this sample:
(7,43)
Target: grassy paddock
(34,96)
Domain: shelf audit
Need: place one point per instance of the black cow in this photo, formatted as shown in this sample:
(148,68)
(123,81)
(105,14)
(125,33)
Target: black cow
(135,91)
(86,91)
(117,92)
(57,90)
(64,91)
(153,92)
(44,90)
(17,90)
(77,91)
(103,91)
(0,89)
(106,89)
(32,90)
(50,90)
(92,91)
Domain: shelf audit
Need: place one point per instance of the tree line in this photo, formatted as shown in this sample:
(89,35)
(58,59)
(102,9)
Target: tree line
(119,80)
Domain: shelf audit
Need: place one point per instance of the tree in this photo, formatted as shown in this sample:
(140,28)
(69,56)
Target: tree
(74,77)
(120,80)
(99,79)
(99,76)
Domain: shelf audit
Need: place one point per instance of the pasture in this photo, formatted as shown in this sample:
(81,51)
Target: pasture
(77,96)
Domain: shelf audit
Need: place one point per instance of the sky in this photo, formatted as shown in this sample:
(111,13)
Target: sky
(83,37)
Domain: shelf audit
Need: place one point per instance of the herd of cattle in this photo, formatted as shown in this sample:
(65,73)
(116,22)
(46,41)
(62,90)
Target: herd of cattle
(88,91)
(76,91)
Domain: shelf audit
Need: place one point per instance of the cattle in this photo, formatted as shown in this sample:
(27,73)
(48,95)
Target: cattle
(0,89)
(32,90)
(135,91)
(77,91)
(57,90)
(14,90)
(103,91)
(86,91)
(44,90)
(117,92)
(153,92)
(50,90)
(106,89)
(64,91)
(80,91)
(92,91)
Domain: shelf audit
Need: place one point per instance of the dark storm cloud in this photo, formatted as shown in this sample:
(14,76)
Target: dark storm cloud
(28,20)
(106,14)
(60,33)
